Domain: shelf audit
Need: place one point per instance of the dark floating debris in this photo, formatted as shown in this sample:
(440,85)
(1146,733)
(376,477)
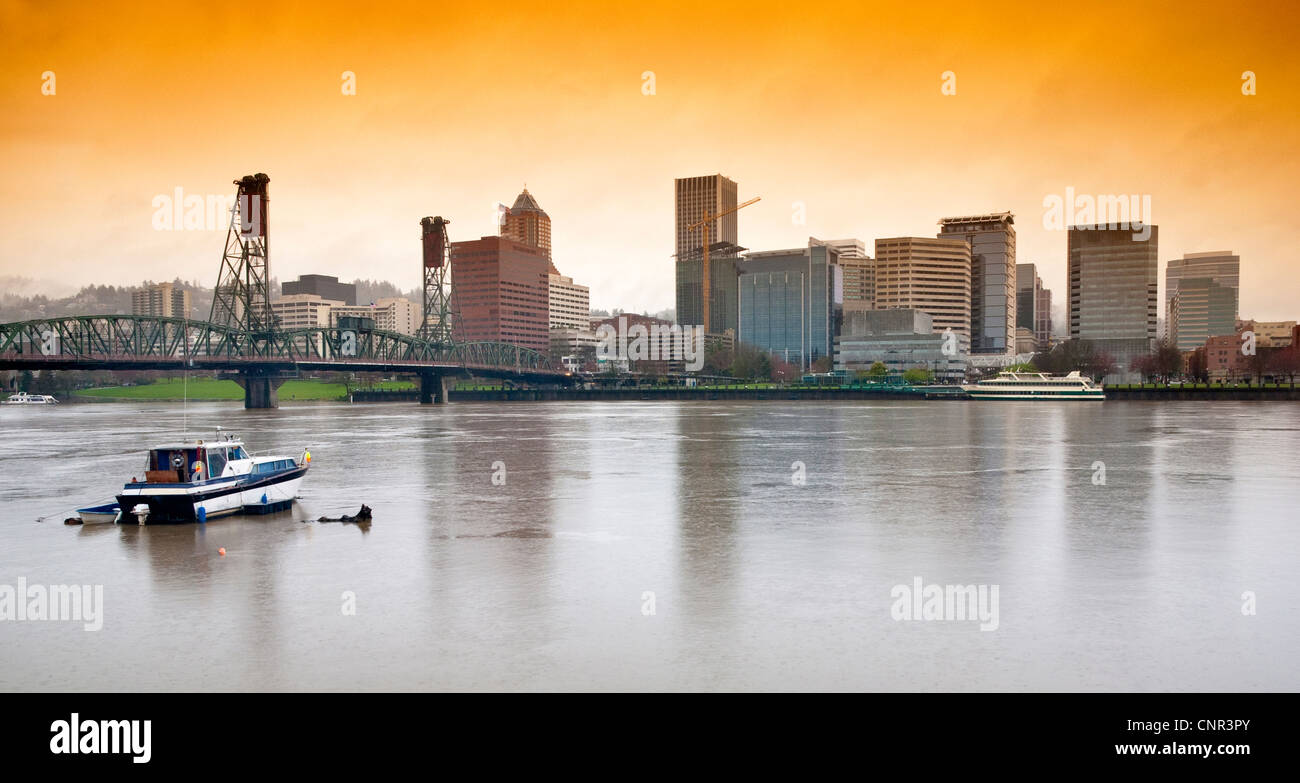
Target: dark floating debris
(362,516)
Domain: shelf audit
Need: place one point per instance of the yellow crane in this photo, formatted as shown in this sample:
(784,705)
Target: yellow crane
(704,225)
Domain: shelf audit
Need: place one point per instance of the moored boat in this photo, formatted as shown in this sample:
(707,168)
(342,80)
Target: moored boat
(98,515)
(1035,386)
(194,481)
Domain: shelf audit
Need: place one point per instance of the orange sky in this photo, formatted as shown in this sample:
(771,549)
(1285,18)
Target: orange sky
(835,105)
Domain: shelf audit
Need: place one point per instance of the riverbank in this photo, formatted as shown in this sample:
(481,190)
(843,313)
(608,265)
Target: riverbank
(209,390)
(809,393)
(306,390)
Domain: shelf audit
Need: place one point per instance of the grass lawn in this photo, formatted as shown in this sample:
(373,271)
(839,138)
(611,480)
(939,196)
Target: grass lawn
(209,389)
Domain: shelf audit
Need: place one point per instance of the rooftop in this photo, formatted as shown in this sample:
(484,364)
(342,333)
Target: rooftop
(526,203)
(999,217)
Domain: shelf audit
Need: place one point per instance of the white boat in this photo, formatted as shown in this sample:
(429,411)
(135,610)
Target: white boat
(194,481)
(1035,386)
(23,398)
(98,515)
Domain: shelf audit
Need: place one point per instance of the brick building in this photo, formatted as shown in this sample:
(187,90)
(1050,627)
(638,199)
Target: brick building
(502,290)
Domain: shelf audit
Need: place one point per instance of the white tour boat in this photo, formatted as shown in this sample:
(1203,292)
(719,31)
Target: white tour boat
(194,481)
(23,398)
(1035,386)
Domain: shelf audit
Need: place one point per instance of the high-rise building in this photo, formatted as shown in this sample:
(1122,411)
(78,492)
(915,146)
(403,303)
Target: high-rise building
(390,314)
(791,302)
(501,287)
(1211,308)
(1113,291)
(1202,308)
(324,286)
(859,273)
(1221,265)
(693,197)
(528,223)
(1027,285)
(1112,283)
(163,300)
(1043,317)
(930,275)
(569,303)
(303,311)
(992,240)
(1033,304)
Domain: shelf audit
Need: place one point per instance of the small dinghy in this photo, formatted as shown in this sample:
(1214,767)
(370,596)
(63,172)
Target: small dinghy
(96,515)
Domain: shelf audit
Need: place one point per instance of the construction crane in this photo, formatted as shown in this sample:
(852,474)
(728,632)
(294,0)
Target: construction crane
(704,225)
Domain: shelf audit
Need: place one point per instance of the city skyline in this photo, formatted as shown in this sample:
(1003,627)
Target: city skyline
(602,153)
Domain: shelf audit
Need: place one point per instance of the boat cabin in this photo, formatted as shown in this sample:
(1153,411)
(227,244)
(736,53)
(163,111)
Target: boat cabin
(188,462)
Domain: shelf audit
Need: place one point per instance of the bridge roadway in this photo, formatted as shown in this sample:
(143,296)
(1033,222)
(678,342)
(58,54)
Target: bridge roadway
(261,362)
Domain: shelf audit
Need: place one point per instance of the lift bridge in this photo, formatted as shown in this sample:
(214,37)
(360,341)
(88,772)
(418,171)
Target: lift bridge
(242,338)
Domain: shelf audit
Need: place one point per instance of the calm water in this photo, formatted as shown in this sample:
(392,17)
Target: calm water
(758,583)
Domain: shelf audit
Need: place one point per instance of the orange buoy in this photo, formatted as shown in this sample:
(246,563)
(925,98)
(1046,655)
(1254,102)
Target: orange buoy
(221,551)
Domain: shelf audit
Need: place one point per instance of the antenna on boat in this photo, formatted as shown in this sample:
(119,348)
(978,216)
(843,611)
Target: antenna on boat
(185,376)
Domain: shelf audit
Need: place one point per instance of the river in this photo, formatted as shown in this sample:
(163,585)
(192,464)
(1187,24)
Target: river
(674,545)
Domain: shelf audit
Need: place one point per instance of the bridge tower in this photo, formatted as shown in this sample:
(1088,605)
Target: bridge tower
(441,315)
(242,299)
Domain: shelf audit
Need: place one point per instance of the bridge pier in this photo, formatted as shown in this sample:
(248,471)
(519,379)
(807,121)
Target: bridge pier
(433,389)
(260,391)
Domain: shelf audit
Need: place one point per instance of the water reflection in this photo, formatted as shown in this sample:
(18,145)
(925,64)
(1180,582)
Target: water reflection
(708,494)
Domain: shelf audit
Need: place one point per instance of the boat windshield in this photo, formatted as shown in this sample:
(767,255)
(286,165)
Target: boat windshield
(216,461)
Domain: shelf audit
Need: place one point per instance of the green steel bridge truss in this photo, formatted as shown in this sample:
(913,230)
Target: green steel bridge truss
(145,342)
